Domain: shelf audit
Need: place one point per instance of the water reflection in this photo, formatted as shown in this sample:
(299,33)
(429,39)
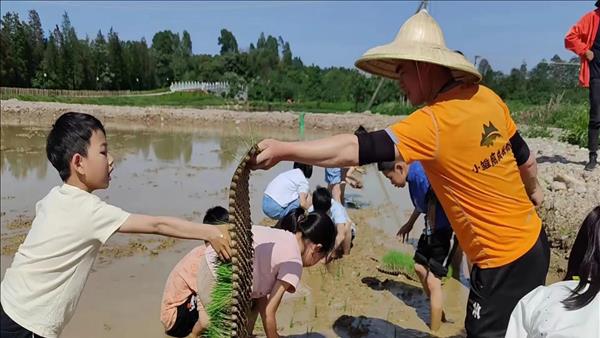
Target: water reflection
(23,152)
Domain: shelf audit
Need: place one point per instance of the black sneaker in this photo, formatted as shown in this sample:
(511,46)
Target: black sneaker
(592,163)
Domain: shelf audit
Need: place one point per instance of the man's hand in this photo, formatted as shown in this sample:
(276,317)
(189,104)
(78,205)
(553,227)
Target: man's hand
(270,152)
(219,240)
(589,55)
(537,195)
(404,231)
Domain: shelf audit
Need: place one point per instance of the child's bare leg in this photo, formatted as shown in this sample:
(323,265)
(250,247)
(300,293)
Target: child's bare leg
(422,273)
(202,323)
(435,299)
(252,316)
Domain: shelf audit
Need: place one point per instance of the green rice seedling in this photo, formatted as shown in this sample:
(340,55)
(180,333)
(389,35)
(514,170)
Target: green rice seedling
(219,309)
(397,262)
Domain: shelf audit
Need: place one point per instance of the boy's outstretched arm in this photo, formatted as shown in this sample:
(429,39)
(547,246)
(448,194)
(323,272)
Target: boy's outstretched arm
(217,236)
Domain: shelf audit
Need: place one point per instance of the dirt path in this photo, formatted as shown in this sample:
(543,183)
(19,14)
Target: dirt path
(24,112)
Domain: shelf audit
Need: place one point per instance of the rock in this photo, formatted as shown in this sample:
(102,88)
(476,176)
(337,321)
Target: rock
(570,181)
(557,186)
(580,189)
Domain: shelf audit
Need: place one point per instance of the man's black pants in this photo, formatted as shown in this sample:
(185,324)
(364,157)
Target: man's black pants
(594,124)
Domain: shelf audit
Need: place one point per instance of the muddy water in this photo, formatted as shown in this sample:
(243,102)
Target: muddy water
(182,172)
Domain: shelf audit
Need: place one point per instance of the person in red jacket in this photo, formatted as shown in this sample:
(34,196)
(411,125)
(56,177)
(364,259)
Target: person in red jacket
(583,41)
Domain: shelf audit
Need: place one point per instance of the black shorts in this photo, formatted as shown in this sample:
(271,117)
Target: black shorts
(10,329)
(496,291)
(432,252)
(187,316)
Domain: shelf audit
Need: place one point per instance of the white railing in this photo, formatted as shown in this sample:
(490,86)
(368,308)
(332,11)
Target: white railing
(218,88)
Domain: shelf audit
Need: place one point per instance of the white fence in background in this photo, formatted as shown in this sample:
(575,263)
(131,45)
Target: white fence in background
(217,88)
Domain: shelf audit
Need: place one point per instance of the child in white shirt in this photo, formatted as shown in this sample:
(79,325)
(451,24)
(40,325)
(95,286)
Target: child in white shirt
(41,288)
(288,191)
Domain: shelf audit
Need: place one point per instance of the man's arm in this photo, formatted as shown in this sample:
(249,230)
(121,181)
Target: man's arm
(527,169)
(342,150)
(217,236)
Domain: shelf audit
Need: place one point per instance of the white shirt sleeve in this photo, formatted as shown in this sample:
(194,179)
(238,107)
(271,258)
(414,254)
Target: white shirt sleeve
(106,220)
(303,186)
(338,213)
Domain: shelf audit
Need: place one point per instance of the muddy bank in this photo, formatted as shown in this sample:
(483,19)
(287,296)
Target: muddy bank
(44,113)
(570,192)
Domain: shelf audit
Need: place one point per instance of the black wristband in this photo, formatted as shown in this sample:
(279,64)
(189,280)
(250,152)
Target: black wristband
(374,147)
(519,148)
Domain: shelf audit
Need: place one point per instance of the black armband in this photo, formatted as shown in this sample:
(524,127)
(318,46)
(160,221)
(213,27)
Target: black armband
(519,148)
(374,147)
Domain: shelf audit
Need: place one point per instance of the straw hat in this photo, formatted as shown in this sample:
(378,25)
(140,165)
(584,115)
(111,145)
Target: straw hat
(420,39)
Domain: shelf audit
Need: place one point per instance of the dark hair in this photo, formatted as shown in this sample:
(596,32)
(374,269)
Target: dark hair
(385,166)
(216,215)
(360,130)
(316,227)
(584,261)
(321,199)
(70,135)
(307,169)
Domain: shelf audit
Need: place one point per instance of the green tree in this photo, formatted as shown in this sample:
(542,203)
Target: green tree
(36,43)
(100,66)
(227,42)
(164,46)
(15,51)
(116,62)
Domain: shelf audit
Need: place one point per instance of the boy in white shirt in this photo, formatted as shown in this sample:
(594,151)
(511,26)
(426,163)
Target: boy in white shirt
(288,191)
(41,288)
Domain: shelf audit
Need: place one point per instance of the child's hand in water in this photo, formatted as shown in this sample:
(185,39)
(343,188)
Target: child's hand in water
(219,240)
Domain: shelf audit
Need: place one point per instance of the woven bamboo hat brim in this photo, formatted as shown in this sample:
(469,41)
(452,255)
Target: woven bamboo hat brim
(420,39)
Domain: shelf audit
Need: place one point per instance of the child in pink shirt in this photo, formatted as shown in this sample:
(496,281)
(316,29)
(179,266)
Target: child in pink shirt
(280,254)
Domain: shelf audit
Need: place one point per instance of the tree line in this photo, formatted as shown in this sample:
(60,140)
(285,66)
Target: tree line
(60,59)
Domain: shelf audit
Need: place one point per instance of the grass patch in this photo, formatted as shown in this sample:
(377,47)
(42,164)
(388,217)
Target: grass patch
(219,309)
(308,106)
(572,118)
(203,100)
(393,108)
(178,99)
(537,131)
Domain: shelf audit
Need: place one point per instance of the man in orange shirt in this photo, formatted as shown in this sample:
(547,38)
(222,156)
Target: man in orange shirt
(479,167)
(583,40)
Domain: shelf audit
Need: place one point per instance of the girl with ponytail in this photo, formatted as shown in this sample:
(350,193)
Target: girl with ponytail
(298,240)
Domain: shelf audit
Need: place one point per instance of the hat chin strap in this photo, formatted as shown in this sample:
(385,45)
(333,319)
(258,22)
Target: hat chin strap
(420,81)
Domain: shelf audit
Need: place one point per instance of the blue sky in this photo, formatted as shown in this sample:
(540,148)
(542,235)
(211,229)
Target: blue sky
(331,33)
